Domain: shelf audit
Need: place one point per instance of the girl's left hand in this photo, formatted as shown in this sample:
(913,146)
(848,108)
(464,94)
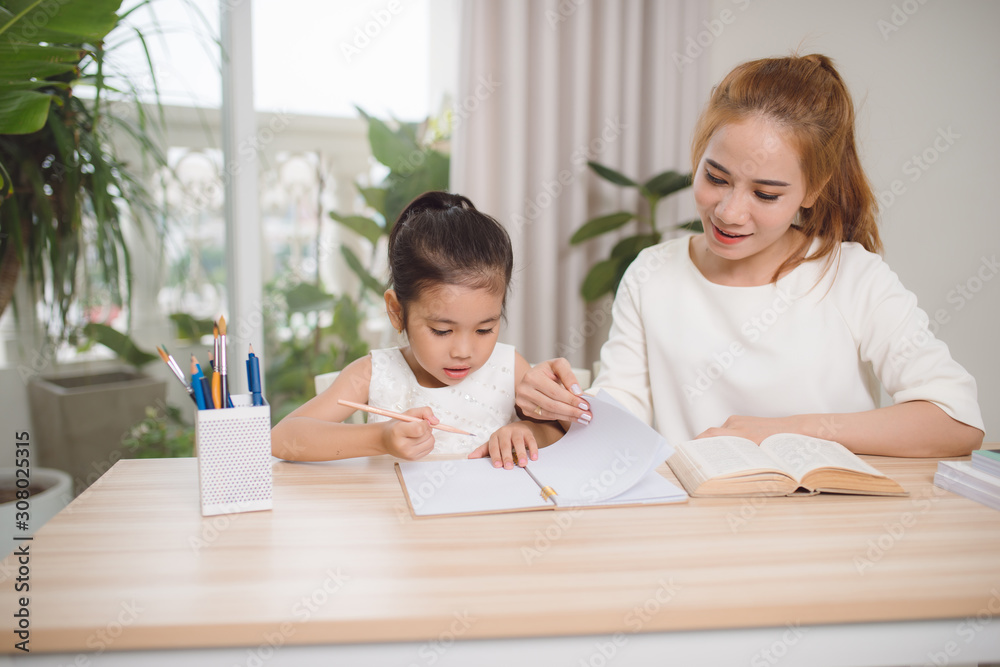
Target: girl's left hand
(752,428)
(513,442)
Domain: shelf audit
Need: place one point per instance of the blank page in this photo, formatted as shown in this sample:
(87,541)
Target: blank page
(653,488)
(468,485)
(601,460)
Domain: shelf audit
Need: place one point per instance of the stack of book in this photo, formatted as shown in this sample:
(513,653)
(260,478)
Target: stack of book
(978,478)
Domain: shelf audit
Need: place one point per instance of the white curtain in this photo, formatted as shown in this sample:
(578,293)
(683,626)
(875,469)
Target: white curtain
(545,86)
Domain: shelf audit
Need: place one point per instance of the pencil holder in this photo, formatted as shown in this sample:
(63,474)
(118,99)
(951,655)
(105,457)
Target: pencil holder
(233,446)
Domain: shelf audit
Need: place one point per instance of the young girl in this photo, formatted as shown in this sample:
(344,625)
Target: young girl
(780,317)
(450,268)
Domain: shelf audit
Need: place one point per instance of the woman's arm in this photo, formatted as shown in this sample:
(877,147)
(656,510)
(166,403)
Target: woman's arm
(315,432)
(913,429)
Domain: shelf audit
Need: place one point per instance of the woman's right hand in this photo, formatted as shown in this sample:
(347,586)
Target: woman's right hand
(410,440)
(549,391)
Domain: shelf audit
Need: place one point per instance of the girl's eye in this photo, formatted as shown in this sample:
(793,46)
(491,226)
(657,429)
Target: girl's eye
(714,179)
(438,332)
(763,196)
(484,332)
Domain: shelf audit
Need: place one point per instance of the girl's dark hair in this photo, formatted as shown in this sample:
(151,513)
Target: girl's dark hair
(442,239)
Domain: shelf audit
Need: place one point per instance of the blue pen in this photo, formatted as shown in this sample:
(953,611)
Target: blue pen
(197,385)
(253,377)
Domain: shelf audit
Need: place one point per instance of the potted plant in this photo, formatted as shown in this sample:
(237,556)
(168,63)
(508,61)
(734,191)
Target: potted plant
(82,419)
(603,277)
(50,490)
(67,199)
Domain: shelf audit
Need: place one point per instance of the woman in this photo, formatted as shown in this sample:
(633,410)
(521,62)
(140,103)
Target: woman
(780,317)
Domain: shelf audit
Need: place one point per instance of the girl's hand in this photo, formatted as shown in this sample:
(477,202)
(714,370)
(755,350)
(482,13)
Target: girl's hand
(513,442)
(550,391)
(410,440)
(752,428)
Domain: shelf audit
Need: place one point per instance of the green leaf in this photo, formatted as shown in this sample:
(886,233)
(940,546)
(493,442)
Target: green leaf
(404,187)
(62,22)
(18,51)
(395,150)
(190,328)
(366,227)
(346,321)
(666,183)
(361,272)
(692,225)
(374,197)
(628,248)
(306,297)
(32,69)
(407,129)
(23,111)
(601,279)
(601,225)
(609,174)
(120,343)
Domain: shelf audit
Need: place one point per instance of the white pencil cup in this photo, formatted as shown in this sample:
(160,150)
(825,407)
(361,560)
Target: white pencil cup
(233,446)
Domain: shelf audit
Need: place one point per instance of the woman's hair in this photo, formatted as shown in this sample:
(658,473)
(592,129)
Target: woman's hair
(805,96)
(442,239)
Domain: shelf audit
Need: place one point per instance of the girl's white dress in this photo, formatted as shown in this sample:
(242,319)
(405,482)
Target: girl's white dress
(480,404)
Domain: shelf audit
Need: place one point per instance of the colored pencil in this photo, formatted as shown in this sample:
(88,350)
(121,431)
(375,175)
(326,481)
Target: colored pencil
(400,417)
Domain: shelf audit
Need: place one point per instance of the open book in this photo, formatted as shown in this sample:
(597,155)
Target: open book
(610,462)
(783,464)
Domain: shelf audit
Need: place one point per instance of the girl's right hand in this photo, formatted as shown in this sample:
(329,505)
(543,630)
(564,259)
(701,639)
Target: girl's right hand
(410,440)
(550,391)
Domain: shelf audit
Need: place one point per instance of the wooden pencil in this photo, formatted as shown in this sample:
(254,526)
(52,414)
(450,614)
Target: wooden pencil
(399,416)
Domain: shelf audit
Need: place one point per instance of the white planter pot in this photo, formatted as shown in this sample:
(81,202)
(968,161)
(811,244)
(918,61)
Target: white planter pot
(42,506)
(79,418)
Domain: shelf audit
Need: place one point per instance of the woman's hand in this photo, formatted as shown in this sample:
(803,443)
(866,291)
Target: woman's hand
(550,391)
(510,443)
(410,440)
(753,428)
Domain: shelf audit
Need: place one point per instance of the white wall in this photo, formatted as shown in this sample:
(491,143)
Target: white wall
(924,75)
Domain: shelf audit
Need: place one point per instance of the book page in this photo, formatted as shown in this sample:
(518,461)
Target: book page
(463,486)
(801,454)
(601,460)
(726,456)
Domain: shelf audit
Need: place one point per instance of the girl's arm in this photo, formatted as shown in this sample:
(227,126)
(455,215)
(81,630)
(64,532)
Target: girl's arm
(911,429)
(518,441)
(315,432)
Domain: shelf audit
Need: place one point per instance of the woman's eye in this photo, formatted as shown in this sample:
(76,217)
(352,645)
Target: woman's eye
(714,179)
(484,332)
(766,197)
(438,332)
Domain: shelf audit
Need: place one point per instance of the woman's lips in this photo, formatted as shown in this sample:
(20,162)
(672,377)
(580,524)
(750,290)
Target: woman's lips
(727,238)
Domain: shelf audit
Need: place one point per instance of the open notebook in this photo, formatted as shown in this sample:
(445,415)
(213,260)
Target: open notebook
(610,462)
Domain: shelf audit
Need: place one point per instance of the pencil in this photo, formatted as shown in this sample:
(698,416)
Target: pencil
(400,417)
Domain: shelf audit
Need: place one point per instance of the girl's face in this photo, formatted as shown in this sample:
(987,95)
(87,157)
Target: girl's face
(452,330)
(748,189)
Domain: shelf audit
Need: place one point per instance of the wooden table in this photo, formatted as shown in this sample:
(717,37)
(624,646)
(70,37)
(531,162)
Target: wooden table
(339,570)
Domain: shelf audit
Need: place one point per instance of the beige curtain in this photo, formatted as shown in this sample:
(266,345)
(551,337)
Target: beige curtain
(543,87)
